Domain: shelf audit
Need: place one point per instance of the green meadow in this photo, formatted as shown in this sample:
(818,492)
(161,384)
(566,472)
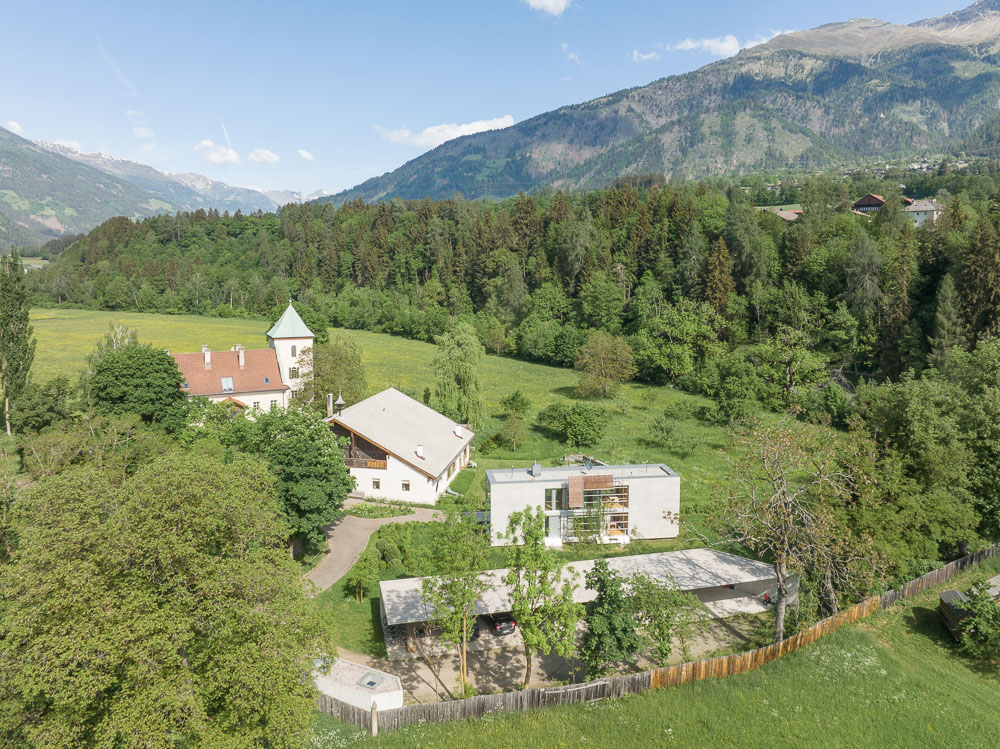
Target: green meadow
(66,336)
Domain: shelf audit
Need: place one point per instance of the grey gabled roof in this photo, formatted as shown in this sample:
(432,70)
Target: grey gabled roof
(397,423)
(290,325)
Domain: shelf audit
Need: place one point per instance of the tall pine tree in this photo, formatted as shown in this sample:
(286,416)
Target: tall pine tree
(719,282)
(949,328)
(17,345)
(980,281)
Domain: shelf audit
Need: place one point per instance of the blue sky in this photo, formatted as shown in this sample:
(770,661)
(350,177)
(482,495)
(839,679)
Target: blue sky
(323,95)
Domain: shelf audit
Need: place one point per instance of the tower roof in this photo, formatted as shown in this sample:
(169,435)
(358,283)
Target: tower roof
(290,325)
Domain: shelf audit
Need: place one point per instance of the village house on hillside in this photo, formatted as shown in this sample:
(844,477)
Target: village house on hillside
(922,211)
(399,448)
(610,504)
(251,378)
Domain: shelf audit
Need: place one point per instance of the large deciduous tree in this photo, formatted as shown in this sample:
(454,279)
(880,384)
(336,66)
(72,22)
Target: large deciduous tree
(541,590)
(611,636)
(458,392)
(604,362)
(140,380)
(312,481)
(17,344)
(333,367)
(163,612)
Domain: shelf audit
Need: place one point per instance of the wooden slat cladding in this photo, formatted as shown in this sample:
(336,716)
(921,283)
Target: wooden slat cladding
(603,481)
(576,492)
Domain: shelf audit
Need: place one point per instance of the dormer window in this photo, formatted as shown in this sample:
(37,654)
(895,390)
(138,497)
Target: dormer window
(227,384)
(185,385)
(293,350)
(267,380)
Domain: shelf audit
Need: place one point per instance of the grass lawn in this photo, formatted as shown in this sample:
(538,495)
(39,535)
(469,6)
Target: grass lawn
(893,680)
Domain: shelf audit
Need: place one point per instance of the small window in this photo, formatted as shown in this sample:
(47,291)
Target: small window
(256,404)
(376,483)
(267,380)
(406,486)
(185,385)
(227,384)
(274,405)
(293,351)
(293,373)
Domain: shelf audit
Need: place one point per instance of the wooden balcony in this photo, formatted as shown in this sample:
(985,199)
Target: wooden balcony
(378,465)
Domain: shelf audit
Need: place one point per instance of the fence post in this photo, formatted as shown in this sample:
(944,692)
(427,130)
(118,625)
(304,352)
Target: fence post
(374,719)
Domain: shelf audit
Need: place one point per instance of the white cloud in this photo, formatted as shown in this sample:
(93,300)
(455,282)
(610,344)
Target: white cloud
(117,71)
(72,144)
(722,46)
(143,131)
(15,127)
(147,147)
(306,155)
(263,156)
(638,56)
(570,55)
(434,136)
(218,155)
(552,7)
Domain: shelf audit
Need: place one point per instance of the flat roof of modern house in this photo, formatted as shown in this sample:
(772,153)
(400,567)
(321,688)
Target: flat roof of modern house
(357,676)
(692,569)
(563,473)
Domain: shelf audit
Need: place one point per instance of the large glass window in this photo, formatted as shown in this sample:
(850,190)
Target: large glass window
(227,384)
(557,499)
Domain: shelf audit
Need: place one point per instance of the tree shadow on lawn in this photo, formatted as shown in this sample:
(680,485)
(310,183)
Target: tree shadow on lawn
(927,623)
(566,391)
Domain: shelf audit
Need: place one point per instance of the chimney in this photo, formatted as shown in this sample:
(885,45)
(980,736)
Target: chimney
(242,356)
(340,403)
(420,451)
(208,356)
(536,469)
(329,405)
(458,431)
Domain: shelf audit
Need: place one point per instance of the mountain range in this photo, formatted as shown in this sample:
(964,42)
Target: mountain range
(48,189)
(835,95)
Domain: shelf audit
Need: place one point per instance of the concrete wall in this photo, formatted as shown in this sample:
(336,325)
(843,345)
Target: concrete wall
(358,696)
(654,503)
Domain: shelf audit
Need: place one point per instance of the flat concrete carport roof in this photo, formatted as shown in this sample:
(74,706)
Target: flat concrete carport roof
(692,569)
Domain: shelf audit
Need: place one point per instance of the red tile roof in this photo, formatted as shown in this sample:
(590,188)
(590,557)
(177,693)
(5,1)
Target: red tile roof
(258,365)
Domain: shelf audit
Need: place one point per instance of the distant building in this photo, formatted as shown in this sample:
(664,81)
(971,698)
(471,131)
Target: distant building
(922,211)
(609,503)
(399,448)
(251,378)
(871,202)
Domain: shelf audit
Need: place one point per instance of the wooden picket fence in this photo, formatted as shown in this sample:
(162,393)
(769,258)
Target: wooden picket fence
(618,686)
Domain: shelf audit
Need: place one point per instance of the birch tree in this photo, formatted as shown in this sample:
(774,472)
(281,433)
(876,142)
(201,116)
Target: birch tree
(17,344)
(453,592)
(541,590)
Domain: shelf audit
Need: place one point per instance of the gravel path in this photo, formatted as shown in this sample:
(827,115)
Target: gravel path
(347,538)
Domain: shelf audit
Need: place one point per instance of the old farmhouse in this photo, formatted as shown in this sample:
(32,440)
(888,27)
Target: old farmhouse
(251,378)
(609,504)
(399,448)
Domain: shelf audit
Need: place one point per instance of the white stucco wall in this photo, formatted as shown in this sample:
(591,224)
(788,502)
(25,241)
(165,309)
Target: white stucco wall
(654,503)
(422,489)
(388,699)
(264,398)
(283,348)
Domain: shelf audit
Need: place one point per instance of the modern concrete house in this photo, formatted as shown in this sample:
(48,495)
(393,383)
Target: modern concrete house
(607,503)
(399,448)
(725,583)
(251,378)
(361,686)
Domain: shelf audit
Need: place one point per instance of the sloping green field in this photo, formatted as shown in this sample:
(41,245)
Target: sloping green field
(65,337)
(893,680)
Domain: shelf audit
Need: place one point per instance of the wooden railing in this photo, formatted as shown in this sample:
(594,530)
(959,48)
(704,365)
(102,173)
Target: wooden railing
(378,465)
